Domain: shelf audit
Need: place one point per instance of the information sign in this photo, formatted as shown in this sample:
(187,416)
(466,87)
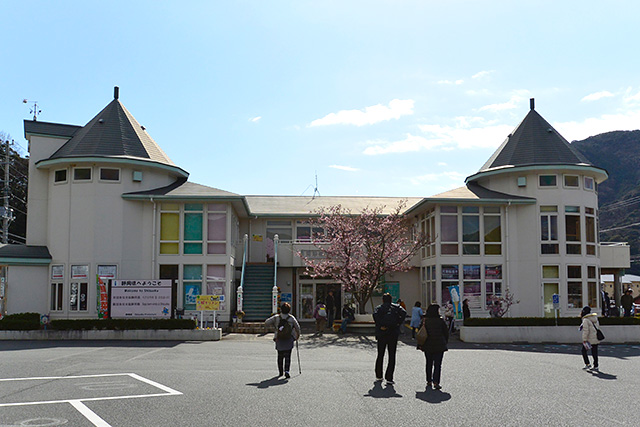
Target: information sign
(150,299)
(208,302)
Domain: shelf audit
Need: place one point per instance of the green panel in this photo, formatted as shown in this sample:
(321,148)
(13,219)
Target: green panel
(169,226)
(192,272)
(192,248)
(193,226)
(193,206)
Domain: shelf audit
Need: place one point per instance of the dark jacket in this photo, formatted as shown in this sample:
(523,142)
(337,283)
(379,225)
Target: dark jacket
(437,335)
(379,315)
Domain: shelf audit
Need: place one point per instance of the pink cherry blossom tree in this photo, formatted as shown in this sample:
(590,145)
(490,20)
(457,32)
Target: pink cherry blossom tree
(359,249)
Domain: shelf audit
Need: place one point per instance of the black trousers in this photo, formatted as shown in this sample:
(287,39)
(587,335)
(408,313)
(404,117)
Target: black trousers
(594,353)
(390,343)
(284,358)
(434,367)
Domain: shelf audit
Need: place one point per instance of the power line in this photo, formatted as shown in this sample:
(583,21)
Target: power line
(621,204)
(621,227)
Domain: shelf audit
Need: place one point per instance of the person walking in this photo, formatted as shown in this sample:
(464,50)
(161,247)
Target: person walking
(388,318)
(626,301)
(416,318)
(589,337)
(331,309)
(435,345)
(287,331)
(320,314)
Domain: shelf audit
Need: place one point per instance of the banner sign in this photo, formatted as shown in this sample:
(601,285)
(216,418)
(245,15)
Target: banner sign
(150,299)
(208,302)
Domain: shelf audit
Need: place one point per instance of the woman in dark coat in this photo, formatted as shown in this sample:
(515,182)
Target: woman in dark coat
(436,344)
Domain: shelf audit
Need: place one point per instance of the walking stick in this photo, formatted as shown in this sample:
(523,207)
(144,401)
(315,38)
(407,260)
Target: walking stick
(298,352)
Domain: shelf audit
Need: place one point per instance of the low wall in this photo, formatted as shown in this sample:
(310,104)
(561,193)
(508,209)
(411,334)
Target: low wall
(132,335)
(614,334)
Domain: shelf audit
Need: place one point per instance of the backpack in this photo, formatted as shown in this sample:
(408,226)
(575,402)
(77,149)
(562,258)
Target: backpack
(390,319)
(285,330)
(322,311)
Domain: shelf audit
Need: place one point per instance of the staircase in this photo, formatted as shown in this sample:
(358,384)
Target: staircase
(258,284)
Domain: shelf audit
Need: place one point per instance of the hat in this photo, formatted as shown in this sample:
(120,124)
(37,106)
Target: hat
(586,310)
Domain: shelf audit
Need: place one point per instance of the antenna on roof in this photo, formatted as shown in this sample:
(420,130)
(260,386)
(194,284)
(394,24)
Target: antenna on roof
(315,189)
(34,110)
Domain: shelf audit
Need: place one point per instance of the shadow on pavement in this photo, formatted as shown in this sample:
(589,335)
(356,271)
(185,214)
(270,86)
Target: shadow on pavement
(331,339)
(382,392)
(433,396)
(603,375)
(271,382)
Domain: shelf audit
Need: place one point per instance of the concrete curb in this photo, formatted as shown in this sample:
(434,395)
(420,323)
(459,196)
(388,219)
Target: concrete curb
(614,334)
(133,335)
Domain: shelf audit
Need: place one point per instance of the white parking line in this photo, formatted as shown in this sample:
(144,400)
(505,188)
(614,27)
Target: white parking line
(79,405)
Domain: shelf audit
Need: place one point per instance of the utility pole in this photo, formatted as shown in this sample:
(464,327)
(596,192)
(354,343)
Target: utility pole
(6,191)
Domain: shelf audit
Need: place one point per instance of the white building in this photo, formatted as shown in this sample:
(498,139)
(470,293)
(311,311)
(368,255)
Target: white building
(105,200)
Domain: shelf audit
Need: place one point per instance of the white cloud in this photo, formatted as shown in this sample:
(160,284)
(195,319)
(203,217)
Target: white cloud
(456,177)
(442,164)
(255,119)
(344,168)
(598,95)
(629,120)
(411,143)
(374,114)
(513,103)
(482,74)
(450,82)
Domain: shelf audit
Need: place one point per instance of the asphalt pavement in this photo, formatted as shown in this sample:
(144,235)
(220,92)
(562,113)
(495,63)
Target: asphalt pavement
(233,382)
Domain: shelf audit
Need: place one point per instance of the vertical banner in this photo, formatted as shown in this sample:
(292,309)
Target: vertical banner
(103,295)
(455,299)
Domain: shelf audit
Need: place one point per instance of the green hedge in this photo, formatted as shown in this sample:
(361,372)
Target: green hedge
(545,321)
(120,324)
(20,322)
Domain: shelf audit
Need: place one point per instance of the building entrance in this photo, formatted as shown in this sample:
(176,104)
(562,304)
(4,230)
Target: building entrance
(312,293)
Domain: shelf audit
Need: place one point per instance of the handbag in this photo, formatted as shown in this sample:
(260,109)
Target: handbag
(421,336)
(599,334)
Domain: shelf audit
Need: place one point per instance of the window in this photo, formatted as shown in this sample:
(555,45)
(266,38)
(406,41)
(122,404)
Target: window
(571,181)
(217,282)
(57,296)
(449,275)
(60,176)
(493,282)
(192,285)
(588,183)
(448,231)
(305,232)
(169,228)
(281,228)
(492,231)
(592,286)
(78,296)
(472,286)
(549,229)
(547,180)
(216,228)
(109,174)
(82,174)
(192,229)
(590,230)
(550,272)
(572,229)
(470,230)
(574,286)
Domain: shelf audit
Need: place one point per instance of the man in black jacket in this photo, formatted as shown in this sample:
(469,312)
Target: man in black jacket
(388,317)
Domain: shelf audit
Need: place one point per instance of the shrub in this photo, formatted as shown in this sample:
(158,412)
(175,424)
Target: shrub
(120,324)
(20,322)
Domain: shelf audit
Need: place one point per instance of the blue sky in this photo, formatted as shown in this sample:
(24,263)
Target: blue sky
(380,98)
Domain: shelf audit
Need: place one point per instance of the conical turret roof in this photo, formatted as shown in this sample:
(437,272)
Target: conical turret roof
(113,132)
(534,143)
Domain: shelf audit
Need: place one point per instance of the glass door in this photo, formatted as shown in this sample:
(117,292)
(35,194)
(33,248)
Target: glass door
(549,290)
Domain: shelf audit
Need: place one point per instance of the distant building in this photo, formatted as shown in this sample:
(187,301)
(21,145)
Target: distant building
(106,201)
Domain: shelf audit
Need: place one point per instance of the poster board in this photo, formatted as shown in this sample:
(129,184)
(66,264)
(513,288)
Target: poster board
(142,299)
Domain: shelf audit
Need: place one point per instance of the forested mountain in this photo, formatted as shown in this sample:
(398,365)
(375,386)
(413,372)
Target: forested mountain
(619,196)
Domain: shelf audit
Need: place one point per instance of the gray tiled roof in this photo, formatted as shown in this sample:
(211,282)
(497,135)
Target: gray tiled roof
(46,128)
(24,251)
(114,132)
(182,188)
(534,142)
(304,205)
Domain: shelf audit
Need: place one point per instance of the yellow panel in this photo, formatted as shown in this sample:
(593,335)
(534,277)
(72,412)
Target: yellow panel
(170,207)
(169,226)
(169,248)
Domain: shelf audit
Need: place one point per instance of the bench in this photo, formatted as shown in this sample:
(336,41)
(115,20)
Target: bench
(362,322)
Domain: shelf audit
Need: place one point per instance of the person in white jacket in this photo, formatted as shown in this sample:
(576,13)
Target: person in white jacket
(589,337)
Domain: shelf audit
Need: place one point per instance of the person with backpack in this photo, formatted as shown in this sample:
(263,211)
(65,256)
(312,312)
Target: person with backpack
(435,344)
(388,318)
(320,314)
(287,331)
